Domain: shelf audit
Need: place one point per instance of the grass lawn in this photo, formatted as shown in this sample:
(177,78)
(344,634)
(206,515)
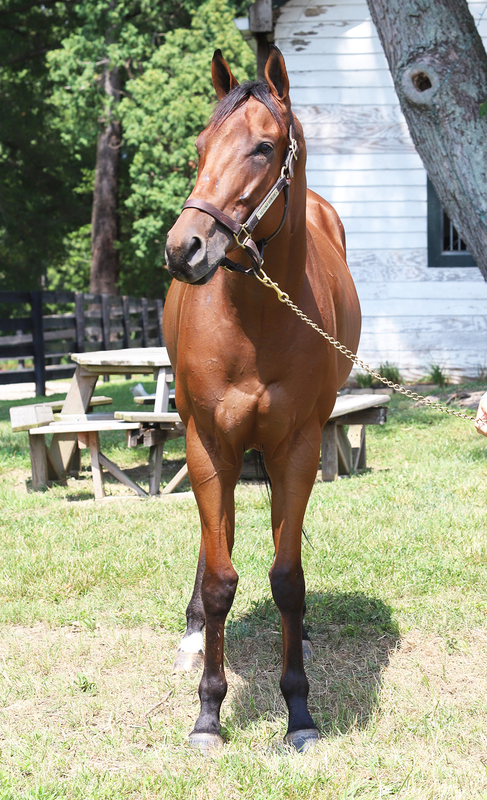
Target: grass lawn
(92,600)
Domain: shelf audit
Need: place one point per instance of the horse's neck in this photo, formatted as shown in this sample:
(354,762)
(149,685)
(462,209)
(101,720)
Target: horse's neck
(285,256)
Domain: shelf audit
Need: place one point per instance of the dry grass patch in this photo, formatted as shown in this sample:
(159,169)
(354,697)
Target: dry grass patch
(101,705)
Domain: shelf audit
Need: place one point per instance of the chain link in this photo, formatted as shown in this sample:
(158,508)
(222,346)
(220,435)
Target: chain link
(284,298)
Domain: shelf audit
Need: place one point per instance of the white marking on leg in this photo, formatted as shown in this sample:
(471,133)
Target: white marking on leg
(192,643)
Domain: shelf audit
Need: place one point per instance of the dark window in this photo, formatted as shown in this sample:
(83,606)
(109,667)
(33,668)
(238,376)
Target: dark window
(445,247)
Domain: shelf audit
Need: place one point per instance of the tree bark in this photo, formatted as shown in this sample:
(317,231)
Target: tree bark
(105,265)
(439,67)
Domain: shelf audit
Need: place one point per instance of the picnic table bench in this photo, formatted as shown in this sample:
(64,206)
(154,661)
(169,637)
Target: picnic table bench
(343,453)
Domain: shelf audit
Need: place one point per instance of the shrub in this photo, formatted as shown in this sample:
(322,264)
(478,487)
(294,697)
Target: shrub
(437,375)
(390,372)
(364,380)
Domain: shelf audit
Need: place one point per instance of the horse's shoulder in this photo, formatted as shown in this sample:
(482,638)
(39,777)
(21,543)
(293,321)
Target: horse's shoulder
(323,220)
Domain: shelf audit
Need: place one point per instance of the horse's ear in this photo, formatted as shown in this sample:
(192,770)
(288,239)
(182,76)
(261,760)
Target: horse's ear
(221,75)
(276,75)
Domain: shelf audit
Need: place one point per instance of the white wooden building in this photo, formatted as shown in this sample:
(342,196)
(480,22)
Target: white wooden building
(362,159)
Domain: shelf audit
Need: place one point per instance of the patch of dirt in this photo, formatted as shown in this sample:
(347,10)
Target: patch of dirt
(467,400)
(27,391)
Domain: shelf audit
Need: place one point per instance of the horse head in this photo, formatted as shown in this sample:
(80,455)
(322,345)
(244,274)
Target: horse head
(242,153)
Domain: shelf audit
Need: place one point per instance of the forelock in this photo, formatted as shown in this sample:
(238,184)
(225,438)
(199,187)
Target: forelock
(239,96)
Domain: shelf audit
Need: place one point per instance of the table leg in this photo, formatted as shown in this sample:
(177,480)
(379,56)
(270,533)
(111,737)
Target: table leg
(161,402)
(38,460)
(156,454)
(64,445)
(329,454)
(344,452)
(178,478)
(96,470)
(356,436)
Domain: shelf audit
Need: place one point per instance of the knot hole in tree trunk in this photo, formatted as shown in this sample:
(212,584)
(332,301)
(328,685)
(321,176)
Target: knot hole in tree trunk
(419,83)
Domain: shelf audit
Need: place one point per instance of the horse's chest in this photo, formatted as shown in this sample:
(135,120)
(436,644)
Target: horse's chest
(248,402)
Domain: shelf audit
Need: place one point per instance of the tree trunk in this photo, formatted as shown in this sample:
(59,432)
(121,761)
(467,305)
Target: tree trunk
(105,266)
(439,67)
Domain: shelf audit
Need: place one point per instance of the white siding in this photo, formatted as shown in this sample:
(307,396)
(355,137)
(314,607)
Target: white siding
(362,159)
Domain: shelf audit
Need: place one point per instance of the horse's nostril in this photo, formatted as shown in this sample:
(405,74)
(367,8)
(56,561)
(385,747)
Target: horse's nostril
(196,250)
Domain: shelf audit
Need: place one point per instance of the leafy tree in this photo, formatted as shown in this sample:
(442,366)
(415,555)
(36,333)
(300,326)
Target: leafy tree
(90,69)
(37,173)
(101,69)
(163,111)
(55,60)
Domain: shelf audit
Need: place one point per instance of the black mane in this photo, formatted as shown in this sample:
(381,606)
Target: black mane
(239,95)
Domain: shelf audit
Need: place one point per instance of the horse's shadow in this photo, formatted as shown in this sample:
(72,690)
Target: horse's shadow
(353,636)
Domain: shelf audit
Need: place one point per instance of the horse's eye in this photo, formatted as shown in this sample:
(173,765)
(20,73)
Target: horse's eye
(264,148)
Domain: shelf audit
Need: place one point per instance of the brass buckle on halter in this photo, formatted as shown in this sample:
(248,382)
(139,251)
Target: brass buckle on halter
(248,236)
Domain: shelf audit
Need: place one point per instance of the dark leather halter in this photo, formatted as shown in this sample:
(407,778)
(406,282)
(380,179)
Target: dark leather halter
(243,232)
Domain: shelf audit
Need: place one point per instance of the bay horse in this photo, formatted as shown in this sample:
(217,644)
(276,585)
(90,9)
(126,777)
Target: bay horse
(249,373)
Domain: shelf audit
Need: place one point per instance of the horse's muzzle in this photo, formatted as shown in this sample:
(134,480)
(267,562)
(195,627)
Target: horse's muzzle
(193,257)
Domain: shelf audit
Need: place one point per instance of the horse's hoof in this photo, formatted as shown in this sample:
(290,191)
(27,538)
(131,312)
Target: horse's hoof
(206,743)
(304,740)
(188,662)
(308,652)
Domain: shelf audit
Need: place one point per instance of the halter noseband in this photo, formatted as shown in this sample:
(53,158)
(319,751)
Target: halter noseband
(243,232)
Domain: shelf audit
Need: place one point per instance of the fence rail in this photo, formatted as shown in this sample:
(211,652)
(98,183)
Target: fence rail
(96,322)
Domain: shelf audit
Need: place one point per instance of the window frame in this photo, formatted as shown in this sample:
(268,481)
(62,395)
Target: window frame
(437,257)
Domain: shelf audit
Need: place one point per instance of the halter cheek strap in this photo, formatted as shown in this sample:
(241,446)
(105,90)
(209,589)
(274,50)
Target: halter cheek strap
(243,233)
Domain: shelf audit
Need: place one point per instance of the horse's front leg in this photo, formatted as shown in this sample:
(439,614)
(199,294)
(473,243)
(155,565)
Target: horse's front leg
(293,474)
(213,474)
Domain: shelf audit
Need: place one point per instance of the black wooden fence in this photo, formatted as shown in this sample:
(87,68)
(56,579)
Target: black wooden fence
(96,322)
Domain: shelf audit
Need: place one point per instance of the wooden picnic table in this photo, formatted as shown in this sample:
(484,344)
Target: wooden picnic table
(342,452)
(73,426)
(130,361)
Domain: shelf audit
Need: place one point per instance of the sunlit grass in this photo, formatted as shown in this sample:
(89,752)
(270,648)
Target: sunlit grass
(92,600)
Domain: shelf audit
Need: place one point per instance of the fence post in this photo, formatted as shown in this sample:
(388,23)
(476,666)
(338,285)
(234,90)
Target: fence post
(38,342)
(126,320)
(159,311)
(144,315)
(105,320)
(79,315)
(105,326)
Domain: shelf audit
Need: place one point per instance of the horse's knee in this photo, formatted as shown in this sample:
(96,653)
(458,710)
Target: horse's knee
(287,585)
(218,590)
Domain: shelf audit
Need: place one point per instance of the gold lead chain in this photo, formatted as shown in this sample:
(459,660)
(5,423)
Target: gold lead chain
(284,298)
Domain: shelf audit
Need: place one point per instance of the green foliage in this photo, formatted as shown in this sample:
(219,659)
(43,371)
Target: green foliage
(37,173)
(108,35)
(73,271)
(437,375)
(364,380)
(163,112)
(163,56)
(483,109)
(52,101)
(390,372)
